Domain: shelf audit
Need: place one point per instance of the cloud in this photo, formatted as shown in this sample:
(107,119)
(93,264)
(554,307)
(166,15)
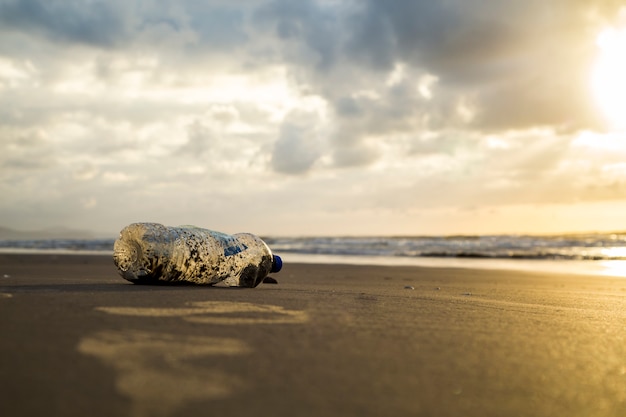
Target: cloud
(98,23)
(299,144)
(355,156)
(524,64)
(26,157)
(371,105)
(199,139)
(308,29)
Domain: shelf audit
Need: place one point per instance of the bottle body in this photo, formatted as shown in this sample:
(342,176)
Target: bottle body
(150,253)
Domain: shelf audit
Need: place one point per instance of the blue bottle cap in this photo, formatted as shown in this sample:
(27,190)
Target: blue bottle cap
(277,264)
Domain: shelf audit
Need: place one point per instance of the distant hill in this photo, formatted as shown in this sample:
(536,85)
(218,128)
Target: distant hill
(50,233)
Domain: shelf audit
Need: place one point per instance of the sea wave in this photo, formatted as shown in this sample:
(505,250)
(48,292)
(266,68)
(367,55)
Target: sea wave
(587,247)
(103,246)
(564,247)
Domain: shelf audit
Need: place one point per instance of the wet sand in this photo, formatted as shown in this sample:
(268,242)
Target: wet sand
(327,340)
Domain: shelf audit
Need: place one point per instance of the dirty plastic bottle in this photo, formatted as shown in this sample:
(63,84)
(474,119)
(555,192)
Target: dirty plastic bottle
(150,253)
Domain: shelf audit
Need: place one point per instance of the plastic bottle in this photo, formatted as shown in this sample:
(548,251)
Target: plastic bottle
(150,253)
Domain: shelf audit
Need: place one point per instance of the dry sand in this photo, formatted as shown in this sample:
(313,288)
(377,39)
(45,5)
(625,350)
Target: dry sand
(327,340)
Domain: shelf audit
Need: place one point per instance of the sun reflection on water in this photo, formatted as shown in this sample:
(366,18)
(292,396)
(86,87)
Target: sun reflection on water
(613,268)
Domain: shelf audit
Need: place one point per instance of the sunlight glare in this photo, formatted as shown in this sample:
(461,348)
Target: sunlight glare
(609,81)
(612,268)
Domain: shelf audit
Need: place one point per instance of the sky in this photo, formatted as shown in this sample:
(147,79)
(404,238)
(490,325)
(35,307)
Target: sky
(327,117)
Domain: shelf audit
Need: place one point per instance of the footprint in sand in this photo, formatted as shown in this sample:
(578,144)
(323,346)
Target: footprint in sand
(154,370)
(218,312)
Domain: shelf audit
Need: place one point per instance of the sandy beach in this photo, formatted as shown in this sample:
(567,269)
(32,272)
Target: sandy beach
(327,340)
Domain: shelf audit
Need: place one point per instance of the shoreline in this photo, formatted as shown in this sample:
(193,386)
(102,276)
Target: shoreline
(611,268)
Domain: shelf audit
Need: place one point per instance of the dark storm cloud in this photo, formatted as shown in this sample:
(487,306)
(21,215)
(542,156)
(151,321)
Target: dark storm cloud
(483,99)
(221,27)
(520,64)
(464,41)
(525,63)
(305,23)
(119,23)
(101,23)
(459,41)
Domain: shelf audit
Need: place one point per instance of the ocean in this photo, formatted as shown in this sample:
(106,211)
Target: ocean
(592,252)
(565,247)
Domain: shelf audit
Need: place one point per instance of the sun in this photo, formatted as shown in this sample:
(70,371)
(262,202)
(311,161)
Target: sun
(609,75)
